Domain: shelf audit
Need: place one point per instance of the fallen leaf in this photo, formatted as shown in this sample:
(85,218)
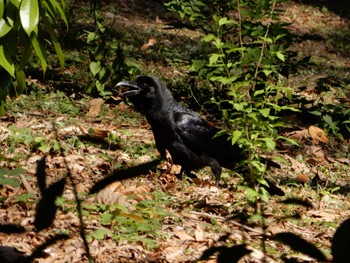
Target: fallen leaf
(107,197)
(317,153)
(151,42)
(318,134)
(94,106)
(199,234)
(299,135)
(182,235)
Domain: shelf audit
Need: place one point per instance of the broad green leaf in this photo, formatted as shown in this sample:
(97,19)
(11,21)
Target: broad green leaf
(259,92)
(267,72)
(280,56)
(52,7)
(16,3)
(95,67)
(239,106)
(100,86)
(235,136)
(214,58)
(270,144)
(317,113)
(224,21)
(208,38)
(40,51)
(54,40)
(4,27)
(265,112)
(29,14)
(2,8)
(328,119)
(266,39)
(5,61)
(21,80)
(60,10)
(198,64)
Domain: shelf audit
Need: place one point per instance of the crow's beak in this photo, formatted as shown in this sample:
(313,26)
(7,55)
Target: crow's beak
(133,88)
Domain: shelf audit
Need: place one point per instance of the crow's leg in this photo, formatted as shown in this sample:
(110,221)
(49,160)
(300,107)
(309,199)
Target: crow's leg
(216,170)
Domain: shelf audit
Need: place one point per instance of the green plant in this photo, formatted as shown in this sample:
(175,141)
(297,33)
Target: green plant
(23,25)
(108,65)
(245,66)
(137,223)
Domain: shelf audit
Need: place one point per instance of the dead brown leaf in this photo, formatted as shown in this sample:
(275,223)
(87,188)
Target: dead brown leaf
(95,106)
(151,42)
(182,235)
(318,134)
(299,135)
(107,197)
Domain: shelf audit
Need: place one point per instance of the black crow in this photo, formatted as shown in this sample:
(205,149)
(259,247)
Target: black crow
(191,141)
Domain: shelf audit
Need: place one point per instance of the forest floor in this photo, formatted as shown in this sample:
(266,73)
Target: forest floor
(155,217)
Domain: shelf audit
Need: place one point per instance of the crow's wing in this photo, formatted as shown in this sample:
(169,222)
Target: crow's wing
(198,135)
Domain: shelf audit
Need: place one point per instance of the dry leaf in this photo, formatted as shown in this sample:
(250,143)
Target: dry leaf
(95,106)
(318,134)
(317,153)
(182,235)
(100,133)
(107,197)
(4,133)
(199,234)
(299,135)
(322,216)
(151,42)
(140,193)
(169,166)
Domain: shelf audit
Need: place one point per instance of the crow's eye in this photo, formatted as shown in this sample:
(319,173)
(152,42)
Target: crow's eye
(144,86)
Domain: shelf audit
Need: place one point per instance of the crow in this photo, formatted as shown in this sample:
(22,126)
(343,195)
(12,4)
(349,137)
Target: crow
(190,140)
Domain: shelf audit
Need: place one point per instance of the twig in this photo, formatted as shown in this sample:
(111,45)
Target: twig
(226,219)
(26,185)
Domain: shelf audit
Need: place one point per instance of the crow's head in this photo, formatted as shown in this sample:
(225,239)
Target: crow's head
(146,93)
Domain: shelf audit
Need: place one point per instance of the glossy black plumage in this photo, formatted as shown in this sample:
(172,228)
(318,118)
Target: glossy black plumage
(187,136)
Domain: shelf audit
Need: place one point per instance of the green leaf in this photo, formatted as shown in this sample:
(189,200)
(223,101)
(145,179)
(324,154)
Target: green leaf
(280,56)
(95,67)
(29,14)
(265,112)
(270,144)
(208,38)
(224,21)
(5,62)
(40,51)
(259,92)
(235,136)
(328,119)
(54,40)
(21,80)
(2,8)
(288,140)
(58,7)
(317,113)
(4,27)
(214,58)
(100,233)
(100,86)
(197,64)
(16,3)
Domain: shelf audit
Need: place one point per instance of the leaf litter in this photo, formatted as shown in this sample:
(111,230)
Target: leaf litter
(201,216)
